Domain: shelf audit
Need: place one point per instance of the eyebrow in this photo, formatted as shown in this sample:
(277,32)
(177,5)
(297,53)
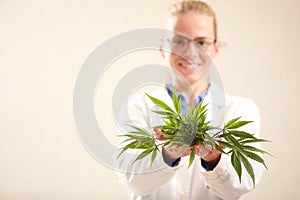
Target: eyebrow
(203,38)
(197,38)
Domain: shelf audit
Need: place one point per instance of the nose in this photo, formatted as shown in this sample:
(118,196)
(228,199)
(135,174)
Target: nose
(192,54)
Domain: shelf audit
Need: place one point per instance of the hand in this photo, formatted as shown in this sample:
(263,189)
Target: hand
(171,153)
(207,153)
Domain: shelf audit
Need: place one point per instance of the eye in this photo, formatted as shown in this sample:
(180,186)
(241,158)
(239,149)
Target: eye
(201,43)
(178,41)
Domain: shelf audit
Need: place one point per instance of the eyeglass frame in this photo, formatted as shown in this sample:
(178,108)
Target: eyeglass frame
(204,46)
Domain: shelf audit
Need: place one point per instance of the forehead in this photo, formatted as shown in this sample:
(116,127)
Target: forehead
(192,24)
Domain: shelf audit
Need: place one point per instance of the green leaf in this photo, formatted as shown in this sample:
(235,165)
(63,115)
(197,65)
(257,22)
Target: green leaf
(182,148)
(241,134)
(248,167)
(238,124)
(254,140)
(176,102)
(192,156)
(209,142)
(236,143)
(216,146)
(140,131)
(164,113)
(143,154)
(251,148)
(153,156)
(160,103)
(124,141)
(168,136)
(174,142)
(201,109)
(231,122)
(128,146)
(236,163)
(139,144)
(137,137)
(167,143)
(256,157)
(226,144)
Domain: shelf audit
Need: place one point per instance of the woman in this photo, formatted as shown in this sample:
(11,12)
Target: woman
(211,176)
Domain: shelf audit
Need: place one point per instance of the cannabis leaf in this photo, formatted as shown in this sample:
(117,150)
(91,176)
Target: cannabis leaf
(192,129)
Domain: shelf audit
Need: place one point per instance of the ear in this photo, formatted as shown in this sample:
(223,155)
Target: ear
(218,44)
(215,50)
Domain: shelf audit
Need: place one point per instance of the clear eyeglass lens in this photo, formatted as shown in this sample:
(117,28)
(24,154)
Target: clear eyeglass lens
(179,44)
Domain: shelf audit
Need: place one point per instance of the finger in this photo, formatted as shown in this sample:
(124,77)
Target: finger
(158,134)
(221,145)
(157,130)
(198,150)
(160,137)
(187,152)
(198,146)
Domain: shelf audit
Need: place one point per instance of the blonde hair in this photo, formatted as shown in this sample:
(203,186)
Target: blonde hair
(201,7)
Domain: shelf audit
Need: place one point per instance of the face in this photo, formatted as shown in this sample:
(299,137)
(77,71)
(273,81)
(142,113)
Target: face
(199,28)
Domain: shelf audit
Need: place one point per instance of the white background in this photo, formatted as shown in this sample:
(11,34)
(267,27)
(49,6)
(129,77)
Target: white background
(43,45)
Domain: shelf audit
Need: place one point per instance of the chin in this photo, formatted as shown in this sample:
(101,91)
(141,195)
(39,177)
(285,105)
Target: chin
(192,81)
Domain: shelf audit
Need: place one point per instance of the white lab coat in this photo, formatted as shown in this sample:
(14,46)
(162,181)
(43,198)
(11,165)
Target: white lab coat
(161,182)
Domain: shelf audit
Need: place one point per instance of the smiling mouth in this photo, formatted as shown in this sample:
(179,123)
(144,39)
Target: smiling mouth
(189,66)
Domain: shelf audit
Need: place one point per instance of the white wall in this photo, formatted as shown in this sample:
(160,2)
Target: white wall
(43,45)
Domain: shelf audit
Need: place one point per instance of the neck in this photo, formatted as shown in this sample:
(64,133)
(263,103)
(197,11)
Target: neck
(191,91)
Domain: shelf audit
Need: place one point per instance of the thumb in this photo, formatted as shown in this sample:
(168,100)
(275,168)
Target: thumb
(158,134)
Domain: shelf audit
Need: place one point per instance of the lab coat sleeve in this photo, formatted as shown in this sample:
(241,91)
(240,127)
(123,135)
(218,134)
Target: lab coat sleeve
(223,181)
(141,177)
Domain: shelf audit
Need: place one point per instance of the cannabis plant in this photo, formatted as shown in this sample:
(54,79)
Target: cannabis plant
(191,129)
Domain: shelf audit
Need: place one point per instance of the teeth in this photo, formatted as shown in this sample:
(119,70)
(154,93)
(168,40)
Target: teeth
(188,65)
